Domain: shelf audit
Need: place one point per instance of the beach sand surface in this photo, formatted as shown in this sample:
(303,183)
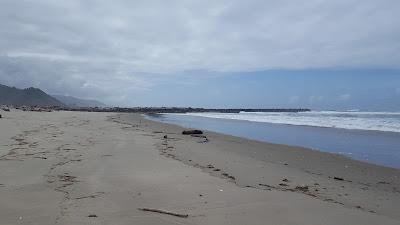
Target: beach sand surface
(100,168)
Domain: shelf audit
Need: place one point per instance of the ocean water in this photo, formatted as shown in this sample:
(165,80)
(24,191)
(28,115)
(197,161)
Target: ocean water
(378,121)
(367,136)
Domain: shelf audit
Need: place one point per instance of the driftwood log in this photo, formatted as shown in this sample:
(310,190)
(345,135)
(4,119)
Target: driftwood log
(190,132)
(164,212)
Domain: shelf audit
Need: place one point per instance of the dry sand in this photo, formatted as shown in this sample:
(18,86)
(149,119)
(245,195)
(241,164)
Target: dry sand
(99,168)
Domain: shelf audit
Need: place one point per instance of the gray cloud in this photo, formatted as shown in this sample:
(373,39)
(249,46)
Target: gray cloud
(88,48)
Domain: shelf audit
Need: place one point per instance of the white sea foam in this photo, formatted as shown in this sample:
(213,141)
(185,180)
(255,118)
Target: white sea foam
(379,121)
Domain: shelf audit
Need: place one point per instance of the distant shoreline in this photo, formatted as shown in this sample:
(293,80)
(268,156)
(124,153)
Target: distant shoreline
(160,109)
(184,110)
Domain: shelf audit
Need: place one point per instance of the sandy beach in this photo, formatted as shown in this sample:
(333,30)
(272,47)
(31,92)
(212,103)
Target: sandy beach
(100,168)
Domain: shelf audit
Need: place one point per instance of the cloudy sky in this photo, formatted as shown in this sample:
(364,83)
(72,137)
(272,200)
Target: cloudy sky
(227,53)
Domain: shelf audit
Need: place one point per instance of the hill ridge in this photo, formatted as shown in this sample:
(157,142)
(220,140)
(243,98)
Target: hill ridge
(30,96)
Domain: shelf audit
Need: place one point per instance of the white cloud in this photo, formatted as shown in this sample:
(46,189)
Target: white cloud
(155,36)
(106,42)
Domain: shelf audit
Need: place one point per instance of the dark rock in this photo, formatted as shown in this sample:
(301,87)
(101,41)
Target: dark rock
(0,116)
(165,136)
(189,132)
(92,215)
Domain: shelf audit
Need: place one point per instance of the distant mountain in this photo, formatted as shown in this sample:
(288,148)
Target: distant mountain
(77,102)
(29,97)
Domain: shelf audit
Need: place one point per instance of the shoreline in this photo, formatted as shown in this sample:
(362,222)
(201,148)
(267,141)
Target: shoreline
(343,154)
(84,168)
(359,145)
(285,145)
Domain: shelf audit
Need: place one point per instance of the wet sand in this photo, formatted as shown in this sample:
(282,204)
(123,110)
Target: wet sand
(99,168)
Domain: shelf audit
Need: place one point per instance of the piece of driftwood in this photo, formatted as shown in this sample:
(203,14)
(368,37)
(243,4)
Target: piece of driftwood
(189,132)
(164,212)
(338,178)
